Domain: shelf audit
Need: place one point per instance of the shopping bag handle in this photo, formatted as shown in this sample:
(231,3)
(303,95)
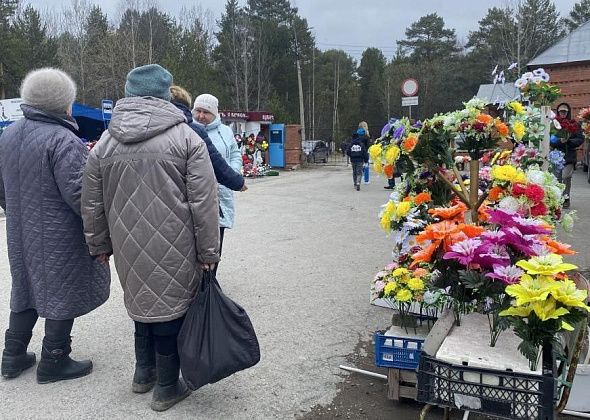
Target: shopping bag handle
(208,278)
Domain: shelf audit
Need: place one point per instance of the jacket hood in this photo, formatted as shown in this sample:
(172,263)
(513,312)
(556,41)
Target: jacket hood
(37,114)
(185,110)
(137,119)
(212,126)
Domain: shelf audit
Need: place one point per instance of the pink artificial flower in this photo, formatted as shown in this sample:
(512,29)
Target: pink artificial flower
(508,274)
(463,251)
(379,286)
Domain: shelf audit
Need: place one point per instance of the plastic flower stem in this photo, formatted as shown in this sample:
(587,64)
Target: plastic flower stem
(473,189)
(460,180)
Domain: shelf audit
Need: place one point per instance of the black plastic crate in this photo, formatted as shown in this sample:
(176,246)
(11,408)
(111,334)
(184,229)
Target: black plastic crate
(503,394)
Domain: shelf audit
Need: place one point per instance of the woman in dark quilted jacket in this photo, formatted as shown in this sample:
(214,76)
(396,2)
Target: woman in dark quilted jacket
(53,275)
(149,195)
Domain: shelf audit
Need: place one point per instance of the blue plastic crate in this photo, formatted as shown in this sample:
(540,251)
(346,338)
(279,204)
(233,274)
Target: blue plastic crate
(397,352)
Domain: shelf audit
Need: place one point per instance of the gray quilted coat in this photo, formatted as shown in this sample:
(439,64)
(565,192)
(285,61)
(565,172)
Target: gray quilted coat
(150,196)
(41,164)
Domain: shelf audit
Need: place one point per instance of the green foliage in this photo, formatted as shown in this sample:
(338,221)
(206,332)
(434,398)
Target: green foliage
(427,39)
(372,93)
(434,147)
(579,15)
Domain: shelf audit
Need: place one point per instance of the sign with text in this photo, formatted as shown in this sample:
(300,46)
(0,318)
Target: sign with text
(410,101)
(260,116)
(10,110)
(107,109)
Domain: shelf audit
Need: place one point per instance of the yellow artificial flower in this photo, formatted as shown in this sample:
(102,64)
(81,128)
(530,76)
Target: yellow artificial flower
(415,284)
(518,129)
(389,288)
(375,151)
(403,295)
(403,209)
(548,309)
(547,265)
(530,289)
(385,221)
(568,294)
(391,154)
(377,167)
(519,311)
(520,177)
(398,272)
(504,172)
(516,107)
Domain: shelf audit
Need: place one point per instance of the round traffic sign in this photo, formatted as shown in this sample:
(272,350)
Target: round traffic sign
(410,87)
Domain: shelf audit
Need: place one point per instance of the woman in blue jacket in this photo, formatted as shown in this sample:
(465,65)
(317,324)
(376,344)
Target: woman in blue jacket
(206,115)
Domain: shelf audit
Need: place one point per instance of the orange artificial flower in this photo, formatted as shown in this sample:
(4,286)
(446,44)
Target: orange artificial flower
(425,255)
(407,198)
(409,143)
(420,272)
(558,247)
(423,197)
(456,211)
(484,119)
(502,129)
(495,193)
(388,171)
(482,213)
(471,230)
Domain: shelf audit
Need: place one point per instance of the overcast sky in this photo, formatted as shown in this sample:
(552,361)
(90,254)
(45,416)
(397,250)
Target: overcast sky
(352,25)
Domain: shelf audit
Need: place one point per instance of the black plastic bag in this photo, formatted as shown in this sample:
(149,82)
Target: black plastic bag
(216,339)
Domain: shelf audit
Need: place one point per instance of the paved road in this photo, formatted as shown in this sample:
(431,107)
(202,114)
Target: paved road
(299,260)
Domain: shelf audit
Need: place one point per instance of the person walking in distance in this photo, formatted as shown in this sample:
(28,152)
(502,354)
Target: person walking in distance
(359,157)
(149,195)
(366,140)
(53,274)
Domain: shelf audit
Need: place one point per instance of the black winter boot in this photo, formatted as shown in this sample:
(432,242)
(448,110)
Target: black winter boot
(169,388)
(15,358)
(144,377)
(56,364)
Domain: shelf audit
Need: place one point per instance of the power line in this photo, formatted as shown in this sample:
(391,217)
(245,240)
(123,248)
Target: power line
(356,46)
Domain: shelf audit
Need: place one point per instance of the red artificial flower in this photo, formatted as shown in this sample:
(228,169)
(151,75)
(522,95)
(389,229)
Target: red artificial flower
(535,193)
(539,209)
(518,189)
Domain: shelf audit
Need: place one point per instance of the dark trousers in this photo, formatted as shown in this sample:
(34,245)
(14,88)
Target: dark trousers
(164,334)
(221,233)
(55,330)
(357,172)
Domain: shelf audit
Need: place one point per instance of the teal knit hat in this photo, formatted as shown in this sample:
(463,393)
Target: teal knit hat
(150,80)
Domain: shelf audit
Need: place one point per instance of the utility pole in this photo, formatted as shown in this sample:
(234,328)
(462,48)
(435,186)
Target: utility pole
(313,94)
(300,84)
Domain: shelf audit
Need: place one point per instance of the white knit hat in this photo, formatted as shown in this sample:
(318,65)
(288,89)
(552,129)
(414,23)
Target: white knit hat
(48,89)
(207,102)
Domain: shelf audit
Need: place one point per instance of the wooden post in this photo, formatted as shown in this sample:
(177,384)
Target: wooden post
(545,112)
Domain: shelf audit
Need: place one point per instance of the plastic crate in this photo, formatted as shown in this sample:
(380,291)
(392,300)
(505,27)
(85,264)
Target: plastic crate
(397,352)
(501,394)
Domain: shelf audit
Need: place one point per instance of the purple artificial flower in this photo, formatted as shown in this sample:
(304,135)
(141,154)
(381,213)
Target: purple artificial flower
(530,226)
(392,266)
(493,236)
(509,274)
(417,124)
(399,132)
(502,217)
(381,274)
(463,251)
(539,249)
(490,254)
(518,241)
(518,153)
(379,286)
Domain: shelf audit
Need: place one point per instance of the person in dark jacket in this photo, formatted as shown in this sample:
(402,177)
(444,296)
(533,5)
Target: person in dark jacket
(359,157)
(224,173)
(53,275)
(568,145)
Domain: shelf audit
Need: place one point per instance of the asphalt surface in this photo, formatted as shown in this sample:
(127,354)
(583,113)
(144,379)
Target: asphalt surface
(299,260)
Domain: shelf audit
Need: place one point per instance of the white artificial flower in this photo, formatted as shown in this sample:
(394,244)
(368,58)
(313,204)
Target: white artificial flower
(527,76)
(535,176)
(536,79)
(545,77)
(510,203)
(539,72)
(557,124)
(520,83)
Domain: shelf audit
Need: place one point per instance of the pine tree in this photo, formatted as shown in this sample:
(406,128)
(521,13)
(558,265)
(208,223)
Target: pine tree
(579,15)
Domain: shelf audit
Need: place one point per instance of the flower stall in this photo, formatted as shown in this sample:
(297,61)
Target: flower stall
(474,228)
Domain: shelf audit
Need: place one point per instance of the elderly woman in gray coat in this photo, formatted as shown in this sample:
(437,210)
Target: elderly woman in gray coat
(53,274)
(150,197)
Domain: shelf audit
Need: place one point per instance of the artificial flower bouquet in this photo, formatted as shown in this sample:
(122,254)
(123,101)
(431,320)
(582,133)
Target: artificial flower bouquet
(584,117)
(536,89)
